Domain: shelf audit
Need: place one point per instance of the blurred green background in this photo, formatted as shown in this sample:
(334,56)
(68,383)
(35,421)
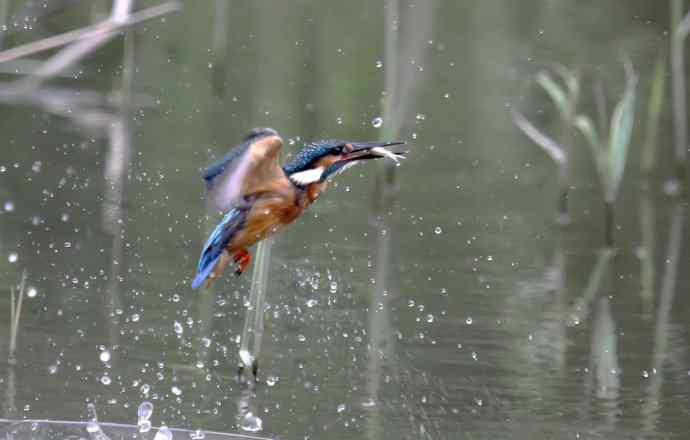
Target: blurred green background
(493,321)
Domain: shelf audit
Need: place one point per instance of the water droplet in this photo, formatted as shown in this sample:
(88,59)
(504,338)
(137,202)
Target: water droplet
(163,433)
(489,258)
(301,337)
(430,318)
(144,426)
(438,230)
(645,374)
(32,292)
(92,427)
(339,120)
(178,328)
(176,298)
(144,413)
(420,117)
(341,408)
(271,380)
(250,423)
(9,206)
(13,257)
(468,320)
(53,369)
(105,380)
(176,390)
(311,302)
(67,244)
(104,356)
(135,317)
(379,64)
(377,122)
(474,356)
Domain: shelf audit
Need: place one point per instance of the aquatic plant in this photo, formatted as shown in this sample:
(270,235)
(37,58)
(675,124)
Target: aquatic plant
(610,150)
(654,110)
(680,28)
(565,95)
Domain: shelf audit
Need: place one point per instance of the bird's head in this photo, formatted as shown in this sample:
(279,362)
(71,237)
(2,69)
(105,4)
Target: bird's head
(322,159)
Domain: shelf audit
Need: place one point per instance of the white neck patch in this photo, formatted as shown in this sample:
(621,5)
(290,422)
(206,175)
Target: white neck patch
(303,178)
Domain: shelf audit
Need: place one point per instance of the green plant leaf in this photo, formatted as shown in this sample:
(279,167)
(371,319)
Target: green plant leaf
(555,91)
(571,81)
(589,131)
(622,123)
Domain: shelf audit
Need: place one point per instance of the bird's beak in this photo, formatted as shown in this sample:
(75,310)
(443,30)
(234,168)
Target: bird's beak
(373,150)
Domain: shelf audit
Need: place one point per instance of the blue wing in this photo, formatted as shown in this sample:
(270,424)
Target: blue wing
(218,168)
(217,241)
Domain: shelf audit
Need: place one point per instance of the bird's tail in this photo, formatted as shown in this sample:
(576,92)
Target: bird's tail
(203,275)
(216,243)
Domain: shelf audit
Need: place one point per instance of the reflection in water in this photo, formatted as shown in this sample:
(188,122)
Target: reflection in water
(401,45)
(604,366)
(647,249)
(661,351)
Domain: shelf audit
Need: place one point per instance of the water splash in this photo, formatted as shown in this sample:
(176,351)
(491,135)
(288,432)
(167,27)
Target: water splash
(92,427)
(164,433)
(197,435)
(144,413)
(178,328)
(250,423)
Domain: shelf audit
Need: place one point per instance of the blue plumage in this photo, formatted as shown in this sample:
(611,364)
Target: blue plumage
(217,241)
(311,153)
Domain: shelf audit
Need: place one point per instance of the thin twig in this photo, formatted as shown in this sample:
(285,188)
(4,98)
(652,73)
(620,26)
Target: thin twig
(80,48)
(16,316)
(88,32)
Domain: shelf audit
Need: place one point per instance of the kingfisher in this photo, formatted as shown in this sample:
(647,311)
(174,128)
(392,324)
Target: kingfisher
(260,197)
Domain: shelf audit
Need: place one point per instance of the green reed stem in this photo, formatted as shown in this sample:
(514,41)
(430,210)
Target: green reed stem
(654,110)
(680,128)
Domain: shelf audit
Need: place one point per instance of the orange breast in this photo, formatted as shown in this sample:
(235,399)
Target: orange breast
(268,215)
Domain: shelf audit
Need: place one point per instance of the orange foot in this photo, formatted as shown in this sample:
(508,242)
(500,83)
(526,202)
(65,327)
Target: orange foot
(242,258)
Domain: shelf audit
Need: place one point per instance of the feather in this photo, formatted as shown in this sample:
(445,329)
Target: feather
(306,177)
(217,242)
(250,168)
